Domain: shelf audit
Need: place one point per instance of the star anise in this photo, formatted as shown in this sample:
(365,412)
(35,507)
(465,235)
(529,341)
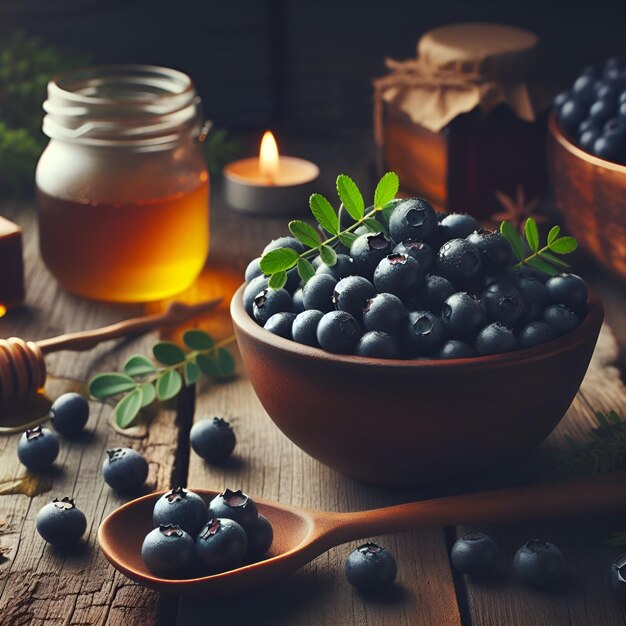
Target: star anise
(517,210)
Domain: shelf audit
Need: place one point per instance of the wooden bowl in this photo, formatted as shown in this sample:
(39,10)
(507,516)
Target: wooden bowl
(400,423)
(590,193)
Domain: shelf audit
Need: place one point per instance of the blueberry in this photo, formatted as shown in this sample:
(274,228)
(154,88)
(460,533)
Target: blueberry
(503,303)
(342,268)
(495,250)
(351,295)
(69,413)
(568,289)
(561,98)
(602,110)
(539,563)
(370,568)
(460,261)
(252,290)
(571,114)
(384,312)
(304,328)
(618,576)
(318,293)
(622,107)
(125,470)
(560,318)
(495,339)
(455,349)
(525,271)
(609,148)
(213,440)
(234,505)
(463,315)
(60,523)
(588,138)
(377,344)
(420,251)
(260,537)
(338,332)
(367,251)
(168,551)
(399,274)
(458,226)
(475,554)
(434,292)
(423,334)
(583,88)
(221,545)
(280,324)
(413,218)
(182,508)
(38,448)
(253,270)
(535,297)
(270,301)
(535,333)
(284,242)
(297,301)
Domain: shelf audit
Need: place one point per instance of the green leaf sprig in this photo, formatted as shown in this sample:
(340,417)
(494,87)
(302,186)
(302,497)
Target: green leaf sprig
(276,263)
(545,258)
(142,382)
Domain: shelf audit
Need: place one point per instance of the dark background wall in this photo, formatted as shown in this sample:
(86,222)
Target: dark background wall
(305,65)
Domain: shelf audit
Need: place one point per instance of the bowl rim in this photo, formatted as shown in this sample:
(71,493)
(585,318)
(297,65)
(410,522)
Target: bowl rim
(574,150)
(588,328)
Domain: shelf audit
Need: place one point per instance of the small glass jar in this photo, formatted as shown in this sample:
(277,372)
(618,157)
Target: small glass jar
(122,185)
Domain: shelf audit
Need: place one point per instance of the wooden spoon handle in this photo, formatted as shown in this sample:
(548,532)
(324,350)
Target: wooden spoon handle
(587,495)
(176,313)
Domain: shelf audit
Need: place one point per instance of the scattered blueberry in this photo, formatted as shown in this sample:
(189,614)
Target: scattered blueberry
(69,413)
(370,568)
(60,523)
(413,218)
(420,251)
(503,303)
(495,339)
(458,226)
(455,349)
(384,312)
(560,318)
(304,328)
(318,293)
(539,563)
(270,301)
(535,333)
(234,505)
(377,344)
(423,334)
(221,545)
(399,274)
(618,576)
(351,295)
(182,508)
(167,551)
(338,332)
(213,440)
(260,537)
(475,554)
(343,267)
(463,315)
(38,448)
(125,470)
(460,261)
(280,324)
(367,252)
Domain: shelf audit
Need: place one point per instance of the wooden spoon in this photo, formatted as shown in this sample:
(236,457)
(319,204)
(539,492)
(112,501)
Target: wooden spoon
(300,535)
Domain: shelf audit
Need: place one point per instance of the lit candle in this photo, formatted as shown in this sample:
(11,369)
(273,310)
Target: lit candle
(269,183)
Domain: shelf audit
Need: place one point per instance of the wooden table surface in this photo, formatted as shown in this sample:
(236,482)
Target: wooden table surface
(40,585)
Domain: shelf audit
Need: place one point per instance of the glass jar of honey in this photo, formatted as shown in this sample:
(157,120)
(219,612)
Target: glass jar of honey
(122,185)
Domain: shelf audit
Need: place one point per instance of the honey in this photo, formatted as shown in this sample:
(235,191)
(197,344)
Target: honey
(139,251)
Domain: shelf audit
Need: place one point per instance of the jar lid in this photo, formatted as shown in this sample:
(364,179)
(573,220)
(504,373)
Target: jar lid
(494,51)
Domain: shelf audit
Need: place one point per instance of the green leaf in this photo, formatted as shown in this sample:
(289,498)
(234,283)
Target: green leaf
(305,233)
(207,365)
(168,384)
(226,363)
(192,373)
(139,365)
(350,196)
(387,210)
(542,266)
(148,394)
(128,408)
(305,270)
(553,234)
(386,189)
(324,213)
(110,384)
(555,260)
(514,238)
(328,255)
(564,245)
(197,340)
(532,234)
(278,260)
(168,353)
(374,226)
(347,239)
(277,281)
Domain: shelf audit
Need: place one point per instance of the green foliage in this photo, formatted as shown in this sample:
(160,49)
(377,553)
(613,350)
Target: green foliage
(276,262)
(143,382)
(543,258)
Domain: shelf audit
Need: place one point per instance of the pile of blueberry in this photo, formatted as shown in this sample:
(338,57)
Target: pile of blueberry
(193,539)
(593,111)
(439,286)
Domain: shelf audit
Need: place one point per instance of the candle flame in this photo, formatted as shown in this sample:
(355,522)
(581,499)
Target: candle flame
(268,157)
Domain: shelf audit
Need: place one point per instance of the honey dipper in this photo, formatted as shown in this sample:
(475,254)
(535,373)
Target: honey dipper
(23,366)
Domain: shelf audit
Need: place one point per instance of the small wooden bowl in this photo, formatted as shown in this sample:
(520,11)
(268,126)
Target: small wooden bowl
(402,423)
(590,193)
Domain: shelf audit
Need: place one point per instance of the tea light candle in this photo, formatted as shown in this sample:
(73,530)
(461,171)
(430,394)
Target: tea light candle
(269,184)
